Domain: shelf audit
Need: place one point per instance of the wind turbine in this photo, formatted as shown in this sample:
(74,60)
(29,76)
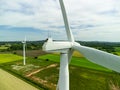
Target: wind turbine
(66,49)
(24,54)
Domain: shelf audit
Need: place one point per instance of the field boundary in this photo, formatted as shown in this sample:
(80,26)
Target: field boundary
(35,84)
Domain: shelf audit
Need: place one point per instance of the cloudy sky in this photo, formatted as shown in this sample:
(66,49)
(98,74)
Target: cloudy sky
(90,20)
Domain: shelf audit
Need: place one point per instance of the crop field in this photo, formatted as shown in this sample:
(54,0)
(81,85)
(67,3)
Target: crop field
(77,61)
(10,82)
(45,74)
(42,69)
(17,68)
(30,53)
(9,58)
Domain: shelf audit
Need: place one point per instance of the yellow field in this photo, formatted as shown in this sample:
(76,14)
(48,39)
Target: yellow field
(10,82)
(76,54)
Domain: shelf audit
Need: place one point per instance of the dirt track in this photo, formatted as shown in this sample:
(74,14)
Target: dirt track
(10,82)
(32,73)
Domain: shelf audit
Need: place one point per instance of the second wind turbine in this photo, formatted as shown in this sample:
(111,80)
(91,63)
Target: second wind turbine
(24,54)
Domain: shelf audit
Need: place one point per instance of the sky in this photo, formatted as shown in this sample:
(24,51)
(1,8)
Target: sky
(90,20)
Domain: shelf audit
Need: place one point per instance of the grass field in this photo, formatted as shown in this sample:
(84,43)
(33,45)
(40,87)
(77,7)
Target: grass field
(3,47)
(4,58)
(77,61)
(117,49)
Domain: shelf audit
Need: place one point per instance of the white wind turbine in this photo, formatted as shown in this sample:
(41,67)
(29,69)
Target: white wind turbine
(24,53)
(66,49)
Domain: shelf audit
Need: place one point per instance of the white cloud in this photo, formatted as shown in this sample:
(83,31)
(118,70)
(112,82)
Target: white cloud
(102,15)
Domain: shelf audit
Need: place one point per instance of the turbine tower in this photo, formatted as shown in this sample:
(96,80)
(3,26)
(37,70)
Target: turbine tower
(24,54)
(66,49)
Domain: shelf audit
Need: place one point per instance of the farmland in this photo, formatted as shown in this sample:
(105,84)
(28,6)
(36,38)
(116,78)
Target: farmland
(17,84)
(9,58)
(42,70)
(77,61)
(10,82)
(44,73)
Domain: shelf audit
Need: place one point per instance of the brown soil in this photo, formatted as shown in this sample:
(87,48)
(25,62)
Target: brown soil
(30,53)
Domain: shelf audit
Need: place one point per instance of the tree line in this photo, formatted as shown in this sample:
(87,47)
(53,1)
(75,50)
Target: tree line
(16,45)
(105,46)
(36,45)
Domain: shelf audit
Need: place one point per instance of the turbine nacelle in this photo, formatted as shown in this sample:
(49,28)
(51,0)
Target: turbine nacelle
(23,42)
(56,46)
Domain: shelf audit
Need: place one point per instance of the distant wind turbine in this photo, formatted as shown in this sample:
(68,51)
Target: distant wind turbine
(66,50)
(24,51)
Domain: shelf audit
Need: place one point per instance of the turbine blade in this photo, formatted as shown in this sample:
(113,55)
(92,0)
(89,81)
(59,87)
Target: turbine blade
(100,57)
(67,27)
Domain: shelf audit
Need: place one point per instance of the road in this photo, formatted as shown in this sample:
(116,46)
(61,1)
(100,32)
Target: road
(10,82)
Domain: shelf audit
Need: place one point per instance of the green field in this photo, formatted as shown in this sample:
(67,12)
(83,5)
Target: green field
(4,58)
(117,50)
(77,61)
(3,47)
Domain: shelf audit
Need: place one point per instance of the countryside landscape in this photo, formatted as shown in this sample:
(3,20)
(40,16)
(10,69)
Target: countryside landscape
(42,69)
(67,45)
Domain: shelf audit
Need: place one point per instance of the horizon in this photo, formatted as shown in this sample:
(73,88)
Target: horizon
(61,40)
